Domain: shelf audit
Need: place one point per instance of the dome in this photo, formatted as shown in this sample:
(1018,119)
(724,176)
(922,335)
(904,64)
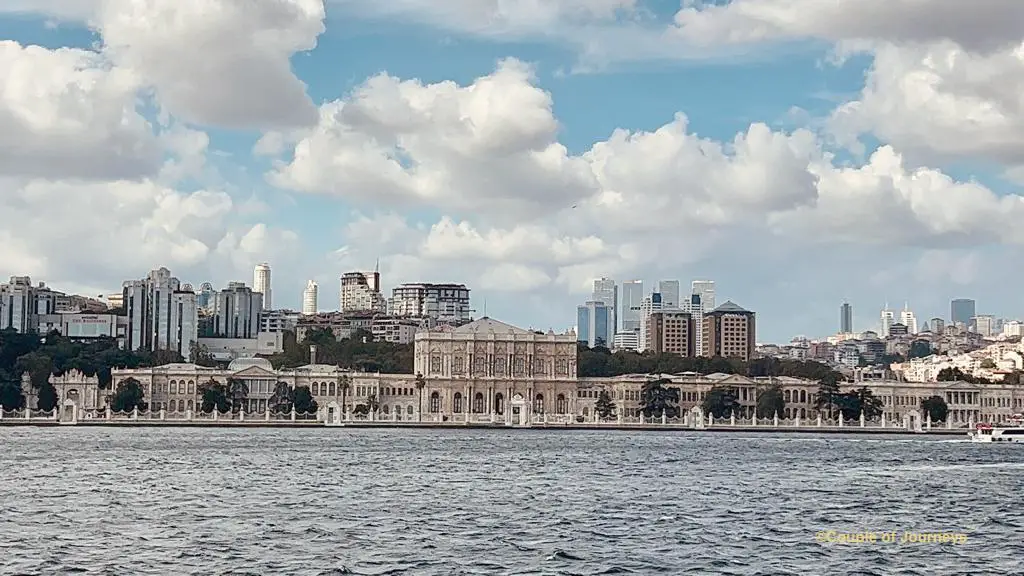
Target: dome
(239,364)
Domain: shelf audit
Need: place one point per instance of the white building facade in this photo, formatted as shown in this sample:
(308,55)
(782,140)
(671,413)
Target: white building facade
(309,298)
(162,314)
(261,284)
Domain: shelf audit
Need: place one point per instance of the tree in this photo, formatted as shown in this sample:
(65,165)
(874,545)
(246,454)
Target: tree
(657,400)
(344,385)
(200,355)
(936,407)
(721,402)
(855,402)
(214,396)
(770,401)
(373,403)
(128,396)
(11,397)
(604,406)
(421,383)
(46,400)
(283,398)
(988,363)
(238,393)
(304,402)
(828,392)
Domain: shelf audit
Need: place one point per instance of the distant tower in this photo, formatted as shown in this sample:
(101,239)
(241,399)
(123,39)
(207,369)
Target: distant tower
(309,296)
(261,283)
(908,319)
(846,318)
(887,320)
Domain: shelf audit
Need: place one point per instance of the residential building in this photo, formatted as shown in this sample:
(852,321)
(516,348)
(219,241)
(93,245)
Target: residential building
(938,325)
(632,299)
(594,324)
(672,332)
(360,292)
(650,305)
(908,319)
(606,291)
(309,298)
(846,318)
(984,324)
(729,331)
(669,290)
(21,304)
(626,340)
(206,298)
(443,303)
(237,312)
(961,311)
(706,290)
(886,320)
(161,313)
(272,321)
(261,284)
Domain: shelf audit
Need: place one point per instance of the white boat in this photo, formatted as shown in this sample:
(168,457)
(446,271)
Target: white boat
(1010,431)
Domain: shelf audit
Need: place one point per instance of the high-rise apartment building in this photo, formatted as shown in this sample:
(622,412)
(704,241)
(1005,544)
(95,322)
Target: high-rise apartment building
(162,314)
(730,332)
(706,290)
(701,300)
(237,312)
(261,284)
(886,319)
(632,299)
(846,318)
(648,307)
(937,325)
(606,291)
(669,290)
(594,324)
(984,324)
(671,332)
(961,311)
(445,303)
(360,292)
(206,297)
(309,297)
(21,304)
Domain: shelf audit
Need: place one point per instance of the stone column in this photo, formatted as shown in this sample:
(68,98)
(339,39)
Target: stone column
(819,419)
(775,419)
(216,413)
(293,413)
(883,419)
(1,412)
(266,415)
(732,418)
(135,413)
(107,412)
(862,419)
(162,414)
(28,413)
(797,420)
(241,414)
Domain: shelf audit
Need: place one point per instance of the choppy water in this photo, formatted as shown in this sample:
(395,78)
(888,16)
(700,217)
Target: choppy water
(422,502)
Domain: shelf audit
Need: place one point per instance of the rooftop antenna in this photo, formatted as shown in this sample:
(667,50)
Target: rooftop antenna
(485,307)
(376,266)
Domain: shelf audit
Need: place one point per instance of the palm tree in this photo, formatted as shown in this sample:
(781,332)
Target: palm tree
(344,383)
(238,392)
(421,383)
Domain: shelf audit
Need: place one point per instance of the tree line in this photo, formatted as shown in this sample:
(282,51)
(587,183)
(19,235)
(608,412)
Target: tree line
(358,352)
(601,362)
(41,356)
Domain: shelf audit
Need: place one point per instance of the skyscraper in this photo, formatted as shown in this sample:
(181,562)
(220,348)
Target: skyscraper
(962,310)
(162,314)
(846,318)
(237,312)
(309,297)
(606,291)
(632,299)
(261,283)
(593,324)
(908,319)
(887,319)
(706,290)
(669,290)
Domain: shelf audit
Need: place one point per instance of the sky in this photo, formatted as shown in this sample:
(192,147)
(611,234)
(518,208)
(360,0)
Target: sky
(799,153)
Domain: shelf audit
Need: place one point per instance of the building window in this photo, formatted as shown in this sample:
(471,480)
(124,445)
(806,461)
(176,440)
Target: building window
(499,403)
(480,365)
(519,365)
(457,403)
(561,367)
(499,367)
(314,388)
(435,403)
(435,364)
(538,404)
(561,404)
(539,369)
(458,365)
(191,387)
(478,403)
(331,389)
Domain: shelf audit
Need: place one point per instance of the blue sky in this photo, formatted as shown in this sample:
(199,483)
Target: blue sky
(785,226)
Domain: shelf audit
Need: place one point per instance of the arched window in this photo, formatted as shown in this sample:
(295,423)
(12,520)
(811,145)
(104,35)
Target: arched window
(457,403)
(586,411)
(408,409)
(181,405)
(478,403)
(191,387)
(387,410)
(499,403)
(803,413)
(314,388)
(538,404)
(435,403)
(189,404)
(803,396)
(786,395)
(331,389)
(561,404)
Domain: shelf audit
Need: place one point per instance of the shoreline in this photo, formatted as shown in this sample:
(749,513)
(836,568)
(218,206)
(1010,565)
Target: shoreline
(479,426)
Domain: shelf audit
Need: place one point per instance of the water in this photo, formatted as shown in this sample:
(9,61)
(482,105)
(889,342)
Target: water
(122,501)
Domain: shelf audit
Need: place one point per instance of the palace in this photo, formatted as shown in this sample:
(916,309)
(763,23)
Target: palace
(491,372)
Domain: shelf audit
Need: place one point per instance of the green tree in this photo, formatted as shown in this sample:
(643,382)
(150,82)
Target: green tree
(46,399)
(128,396)
(238,393)
(988,363)
(373,403)
(11,397)
(657,400)
(604,406)
(344,385)
(214,396)
(200,355)
(721,401)
(304,402)
(283,398)
(936,406)
(770,401)
(828,392)
(853,403)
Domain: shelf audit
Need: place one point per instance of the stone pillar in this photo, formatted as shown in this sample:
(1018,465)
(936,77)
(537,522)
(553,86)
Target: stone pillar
(107,412)
(293,413)
(619,415)
(797,420)
(162,414)
(28,413)
(928,421)
(711,419)
(266,415)
(56,414)
(753,418)
(839,418)
(241,414)
(1,412)
(135,413)
(641,418)
(732,418)
(883,419)
(862,419)
(949,423)
(188,414)
(819,419)
(664,418)
(216,413)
